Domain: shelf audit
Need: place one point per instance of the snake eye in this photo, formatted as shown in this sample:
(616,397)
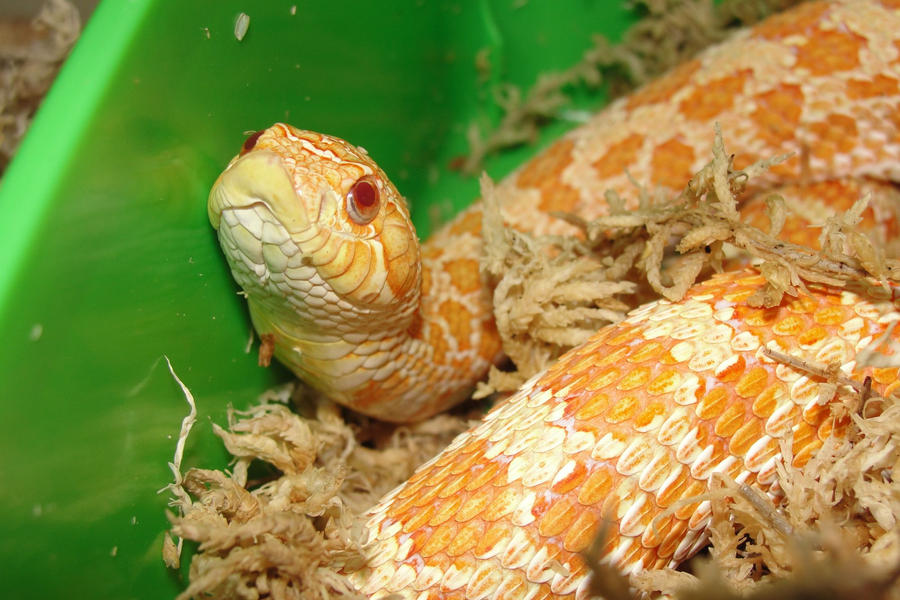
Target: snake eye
(250,142)
(363,200)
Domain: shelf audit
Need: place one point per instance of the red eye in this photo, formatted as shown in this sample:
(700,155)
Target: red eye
(363,200)
(250,142)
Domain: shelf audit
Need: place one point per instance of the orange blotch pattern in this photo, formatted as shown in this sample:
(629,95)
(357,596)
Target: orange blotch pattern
(544,173)
(714,97)
(778,111)
(618,157)
(837,134)
(672,163)
(464,274)
(833,52)
(661,90)
(872,87)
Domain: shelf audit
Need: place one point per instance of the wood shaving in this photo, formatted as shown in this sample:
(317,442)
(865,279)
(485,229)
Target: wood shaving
(31,53)
(241,25)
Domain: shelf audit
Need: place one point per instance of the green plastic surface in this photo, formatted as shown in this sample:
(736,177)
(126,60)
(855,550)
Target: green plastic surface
(108,263)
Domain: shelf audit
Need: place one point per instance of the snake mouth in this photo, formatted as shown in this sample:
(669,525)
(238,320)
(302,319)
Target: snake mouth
(258,180)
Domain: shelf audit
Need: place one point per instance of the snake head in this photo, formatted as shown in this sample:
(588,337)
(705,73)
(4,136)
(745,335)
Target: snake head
(318,238)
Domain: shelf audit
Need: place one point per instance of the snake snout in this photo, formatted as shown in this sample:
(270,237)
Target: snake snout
(258,179)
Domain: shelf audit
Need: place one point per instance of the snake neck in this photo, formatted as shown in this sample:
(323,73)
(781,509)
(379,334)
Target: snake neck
(402,364)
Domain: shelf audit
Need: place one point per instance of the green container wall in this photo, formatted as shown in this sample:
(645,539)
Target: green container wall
(108,263)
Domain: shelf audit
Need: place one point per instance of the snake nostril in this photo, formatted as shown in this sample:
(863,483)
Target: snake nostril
(250,142)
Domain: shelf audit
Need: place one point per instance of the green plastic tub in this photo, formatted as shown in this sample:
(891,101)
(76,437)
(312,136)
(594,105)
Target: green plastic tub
(108,263)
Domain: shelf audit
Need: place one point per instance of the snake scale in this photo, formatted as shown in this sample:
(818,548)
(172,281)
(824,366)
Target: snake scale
(647,410)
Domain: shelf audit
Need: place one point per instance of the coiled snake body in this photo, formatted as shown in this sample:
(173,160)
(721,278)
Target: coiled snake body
(646,411)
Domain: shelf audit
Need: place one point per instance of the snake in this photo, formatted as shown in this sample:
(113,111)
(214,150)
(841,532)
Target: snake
(627,430)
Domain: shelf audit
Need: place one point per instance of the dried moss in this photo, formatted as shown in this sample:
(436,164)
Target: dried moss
(287,536)
(30,56)
(553,292)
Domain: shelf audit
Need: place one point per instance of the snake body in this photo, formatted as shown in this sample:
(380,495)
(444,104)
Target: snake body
(644,413)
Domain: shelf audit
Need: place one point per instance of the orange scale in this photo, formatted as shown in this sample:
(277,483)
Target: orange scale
(886,375)
(634,378)
(577,572)
(730,421)
(439,539)
(805,452)
(596,487)
(413,484)
(765,403)
(745,437)
(444,510)
(541,505)
(504,504)
(736,297)
(558,517)
(815,412)
(623,410)
(648,351)
(760,317)
(812,336)
(456,576)
(802,305)
(495,538)
(427,496)
(791,326)
(655,473)
(783,424)
(483,582)
(732,369)
(627,334)
(635,555)
(654,411)
(572,480)
(482,474)
(416,518)
(674,535)
(438,474)
(475,504)
(582,531)
(713,403)
(463,462)
(602,377)
(514,587)
(665,382)
(694,488)
(656,530)
(829,315)
(418,538)
(594,405)
(804,432)
(452,486)
(466,538)
(398,508)
(674,492)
